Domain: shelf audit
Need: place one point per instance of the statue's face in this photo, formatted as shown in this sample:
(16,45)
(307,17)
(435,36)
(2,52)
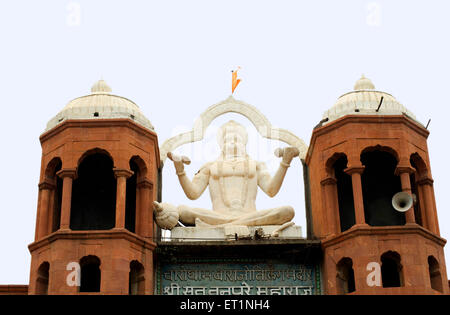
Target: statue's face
(234,141)
(234,145)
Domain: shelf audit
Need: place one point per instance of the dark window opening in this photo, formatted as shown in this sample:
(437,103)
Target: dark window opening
(435,274)
(42,279)
(379,185)
(345,194)
(391,270)
(130,203)
(345,278)
(55,208)
(90,274)
(94,194)
(136,284)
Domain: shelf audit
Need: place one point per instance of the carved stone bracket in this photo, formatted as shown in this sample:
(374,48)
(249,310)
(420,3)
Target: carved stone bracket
(328,181)
(68,172)
(404,169)
(46,185)
(145,183)
(354,169)
(122,172)
(425,181)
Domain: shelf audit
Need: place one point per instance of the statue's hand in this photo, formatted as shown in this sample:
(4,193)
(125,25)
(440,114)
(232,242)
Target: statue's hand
(178,162)
(287,154)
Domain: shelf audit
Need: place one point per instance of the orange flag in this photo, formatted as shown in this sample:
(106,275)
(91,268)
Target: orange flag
(234,80)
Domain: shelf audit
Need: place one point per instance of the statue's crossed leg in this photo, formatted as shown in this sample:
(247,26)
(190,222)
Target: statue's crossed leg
(203,217)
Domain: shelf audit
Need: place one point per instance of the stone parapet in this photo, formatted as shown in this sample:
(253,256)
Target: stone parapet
(186,234)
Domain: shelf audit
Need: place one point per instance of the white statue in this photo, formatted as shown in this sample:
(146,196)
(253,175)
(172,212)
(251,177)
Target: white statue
(233,181)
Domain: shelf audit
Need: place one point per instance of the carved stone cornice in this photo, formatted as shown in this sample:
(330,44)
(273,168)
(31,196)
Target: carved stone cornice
(114,234)
(68,172)
(363,119)
(122,172)
(366,230)
(145,183)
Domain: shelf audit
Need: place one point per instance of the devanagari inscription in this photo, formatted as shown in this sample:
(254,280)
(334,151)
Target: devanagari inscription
(250,279)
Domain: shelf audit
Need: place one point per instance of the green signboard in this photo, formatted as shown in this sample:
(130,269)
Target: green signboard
(235,277)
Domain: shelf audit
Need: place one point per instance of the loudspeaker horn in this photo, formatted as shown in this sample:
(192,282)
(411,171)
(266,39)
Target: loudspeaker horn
(402,201)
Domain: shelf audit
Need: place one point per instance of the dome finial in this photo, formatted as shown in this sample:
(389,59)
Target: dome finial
(364,84)
(100,87)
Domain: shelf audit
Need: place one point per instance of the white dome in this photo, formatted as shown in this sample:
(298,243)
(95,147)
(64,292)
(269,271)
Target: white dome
(100,104)
(364,100)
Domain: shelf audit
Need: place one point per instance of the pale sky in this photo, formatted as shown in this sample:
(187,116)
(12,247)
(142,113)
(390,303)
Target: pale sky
(173,58)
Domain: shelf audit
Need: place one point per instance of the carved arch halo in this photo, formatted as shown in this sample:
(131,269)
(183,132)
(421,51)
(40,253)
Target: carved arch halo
(231,105)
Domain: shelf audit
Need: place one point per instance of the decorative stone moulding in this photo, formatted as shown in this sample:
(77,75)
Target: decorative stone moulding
(231,105)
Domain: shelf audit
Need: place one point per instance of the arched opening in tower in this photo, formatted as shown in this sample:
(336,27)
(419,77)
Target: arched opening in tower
(136,284)
(55,205)
(391,270)
(90,274)
(94,194)
(42,279)
(345,276)
(379,185)
(345,194)
(435,274)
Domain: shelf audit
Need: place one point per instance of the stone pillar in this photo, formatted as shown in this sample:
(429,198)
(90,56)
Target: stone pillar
(45,191)
(355,172)
(67,175)
(331,204)
(404,172)
(38,214)
(121,176)
(51,210)
(426,187)
(145,215)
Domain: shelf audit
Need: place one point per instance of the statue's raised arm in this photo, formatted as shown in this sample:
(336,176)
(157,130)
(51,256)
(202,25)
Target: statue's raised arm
(194,189)
(271,185)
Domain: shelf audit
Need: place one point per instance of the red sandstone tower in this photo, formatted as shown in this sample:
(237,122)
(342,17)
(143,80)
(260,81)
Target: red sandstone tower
(361,154)
(98,180)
